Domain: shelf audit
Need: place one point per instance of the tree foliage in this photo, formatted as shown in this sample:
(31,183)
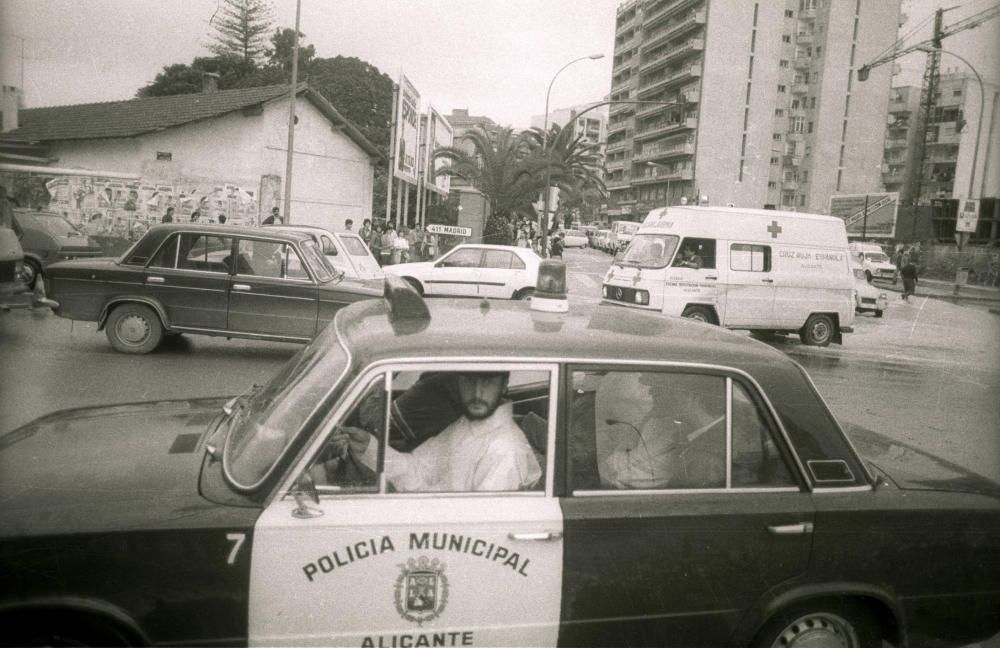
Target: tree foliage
(279,54)
(241,28)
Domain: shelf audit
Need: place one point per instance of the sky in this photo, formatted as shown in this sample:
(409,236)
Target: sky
(493,57)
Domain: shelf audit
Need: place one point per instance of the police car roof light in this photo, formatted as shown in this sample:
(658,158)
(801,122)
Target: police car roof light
(404,302)
(550,287)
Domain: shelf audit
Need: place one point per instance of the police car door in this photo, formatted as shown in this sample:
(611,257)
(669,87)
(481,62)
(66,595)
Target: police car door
(370,565)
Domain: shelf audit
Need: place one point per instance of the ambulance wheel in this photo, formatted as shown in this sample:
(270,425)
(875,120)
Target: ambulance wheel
(134,328)
(818,331)
(699,314)
(821,623)
(878,313)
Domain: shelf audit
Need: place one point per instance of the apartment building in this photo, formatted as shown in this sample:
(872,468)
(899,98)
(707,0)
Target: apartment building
(901,143)
(750,103)
(592,125)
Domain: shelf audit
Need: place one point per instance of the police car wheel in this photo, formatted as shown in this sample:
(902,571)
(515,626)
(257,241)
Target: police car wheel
(134,328)
(818,330)
(699,314)
(821,624)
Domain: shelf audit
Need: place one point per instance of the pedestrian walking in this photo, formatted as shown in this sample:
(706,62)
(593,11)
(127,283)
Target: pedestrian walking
(169,216)
(909,275)
(388,243)
(376,243)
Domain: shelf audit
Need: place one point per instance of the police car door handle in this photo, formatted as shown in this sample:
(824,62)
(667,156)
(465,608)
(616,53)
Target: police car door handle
(155,280)
(241,287)
(790,529)
(543,536)
(767,280)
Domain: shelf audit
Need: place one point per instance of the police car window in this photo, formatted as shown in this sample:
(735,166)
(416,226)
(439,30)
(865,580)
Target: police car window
(449,431)
(333,469)
(259,258)
(750,258)
(647,430)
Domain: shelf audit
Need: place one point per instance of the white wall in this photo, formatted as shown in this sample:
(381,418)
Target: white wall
(332,177)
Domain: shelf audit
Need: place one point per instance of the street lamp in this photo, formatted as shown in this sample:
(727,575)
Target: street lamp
(654,165)
(544,218)
(975,148)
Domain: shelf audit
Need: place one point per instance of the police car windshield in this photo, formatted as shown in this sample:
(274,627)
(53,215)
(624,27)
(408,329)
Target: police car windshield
(265,424)
(650,250)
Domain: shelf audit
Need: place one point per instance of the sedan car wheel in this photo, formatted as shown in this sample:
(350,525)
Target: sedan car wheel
(134,328)
(30,273)
(835,627)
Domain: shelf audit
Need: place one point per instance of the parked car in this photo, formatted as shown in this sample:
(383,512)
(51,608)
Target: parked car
(875,263)
(867,298)
(46,238)
(208,280)
(655,481)
(602,240)
(345,251)
(11,267)
(574,238)
(474,270)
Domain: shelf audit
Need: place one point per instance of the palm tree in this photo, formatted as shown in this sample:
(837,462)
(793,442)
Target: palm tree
(575,163)
(502,169)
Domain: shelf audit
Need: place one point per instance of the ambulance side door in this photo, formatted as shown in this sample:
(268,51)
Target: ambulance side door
(370,565)
(750,287)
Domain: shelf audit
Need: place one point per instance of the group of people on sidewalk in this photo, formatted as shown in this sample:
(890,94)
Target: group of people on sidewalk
(390,247)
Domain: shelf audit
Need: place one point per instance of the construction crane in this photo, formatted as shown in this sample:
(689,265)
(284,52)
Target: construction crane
(929,87)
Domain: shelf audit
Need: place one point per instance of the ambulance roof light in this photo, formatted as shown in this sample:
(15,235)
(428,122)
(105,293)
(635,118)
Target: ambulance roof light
(550,288)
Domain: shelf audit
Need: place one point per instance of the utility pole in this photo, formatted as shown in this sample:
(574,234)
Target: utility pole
(291,116)
(864,223)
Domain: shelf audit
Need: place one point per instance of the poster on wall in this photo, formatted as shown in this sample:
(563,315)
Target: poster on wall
(867,215)
(439,135)
(127,208)
(407,131)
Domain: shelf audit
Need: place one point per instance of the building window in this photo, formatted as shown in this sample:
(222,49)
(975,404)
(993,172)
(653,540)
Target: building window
(774,161)
(957,92)
(795,104)
(785,38)
(772,185)
(776,137)
(789,13)
(819,49)
(812,102)
(809,127)
(781,88)
(804,177)
(802,200)
(779,112)
(796,124)
(783,63)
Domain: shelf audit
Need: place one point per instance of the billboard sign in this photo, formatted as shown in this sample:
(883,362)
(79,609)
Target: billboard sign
(968,216)
(407,131)
(439,135)
(877,220)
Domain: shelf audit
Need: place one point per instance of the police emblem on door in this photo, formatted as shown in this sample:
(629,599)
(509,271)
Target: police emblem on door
(421,589)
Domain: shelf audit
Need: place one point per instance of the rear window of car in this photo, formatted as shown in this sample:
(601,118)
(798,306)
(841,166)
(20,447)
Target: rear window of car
(574,233)
(52,224)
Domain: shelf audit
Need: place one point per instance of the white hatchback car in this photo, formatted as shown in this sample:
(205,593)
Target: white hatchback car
(344,250)
(867,298)
(574,238)
(473,270)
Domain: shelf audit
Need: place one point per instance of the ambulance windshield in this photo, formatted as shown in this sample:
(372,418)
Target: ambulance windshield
(650,250)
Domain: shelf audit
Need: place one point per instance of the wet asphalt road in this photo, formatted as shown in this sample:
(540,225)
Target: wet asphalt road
(926,374)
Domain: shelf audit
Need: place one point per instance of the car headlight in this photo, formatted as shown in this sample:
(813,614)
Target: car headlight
(604,291)
(642,297)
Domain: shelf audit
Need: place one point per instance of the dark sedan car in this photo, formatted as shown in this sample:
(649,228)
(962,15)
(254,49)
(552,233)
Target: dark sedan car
(205,279)
(522,477)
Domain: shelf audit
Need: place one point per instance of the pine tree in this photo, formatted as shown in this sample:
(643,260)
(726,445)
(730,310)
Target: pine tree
(241,29)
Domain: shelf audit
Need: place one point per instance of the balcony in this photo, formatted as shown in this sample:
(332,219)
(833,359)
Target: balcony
(946,138)
(620,183)
(675,30)
(686,48)
(804,38)
(795,137)
(800,88)
(789,185)
(808,14)
(621,108)
(893,177)
(643,110)
(651,153)
(664,175)
(802,62)
(895,142)
(666,80)
(791,159)
(664,128)
(666,10)
(623,84)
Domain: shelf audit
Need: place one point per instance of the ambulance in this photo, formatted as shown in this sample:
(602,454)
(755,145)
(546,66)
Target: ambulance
(761,270)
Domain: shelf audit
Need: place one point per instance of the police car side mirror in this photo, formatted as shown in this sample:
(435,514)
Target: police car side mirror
(305,487)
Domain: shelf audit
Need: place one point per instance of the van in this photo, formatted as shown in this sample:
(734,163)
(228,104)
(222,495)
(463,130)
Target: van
(875,262)
(621,234)
(761,270)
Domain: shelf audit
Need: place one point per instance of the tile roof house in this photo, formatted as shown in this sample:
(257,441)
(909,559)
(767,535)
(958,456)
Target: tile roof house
(234,137)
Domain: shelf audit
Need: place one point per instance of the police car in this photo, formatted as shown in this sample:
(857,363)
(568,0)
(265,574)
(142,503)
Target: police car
(674,484)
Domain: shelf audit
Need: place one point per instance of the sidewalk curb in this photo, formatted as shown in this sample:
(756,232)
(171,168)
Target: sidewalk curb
(946,297)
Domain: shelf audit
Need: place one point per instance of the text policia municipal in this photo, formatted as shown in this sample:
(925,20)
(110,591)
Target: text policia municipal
(363,549)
